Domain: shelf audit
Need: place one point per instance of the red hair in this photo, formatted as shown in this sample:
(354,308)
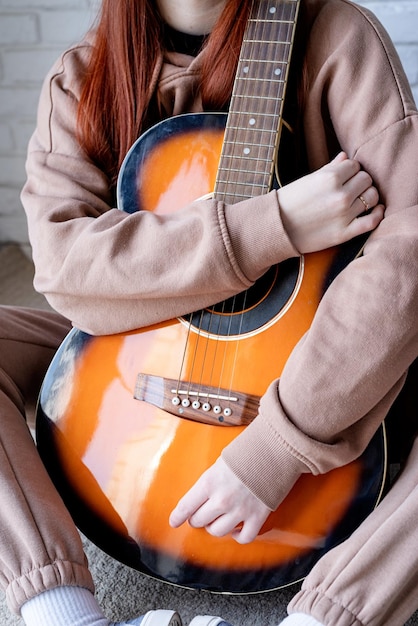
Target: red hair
(114,103)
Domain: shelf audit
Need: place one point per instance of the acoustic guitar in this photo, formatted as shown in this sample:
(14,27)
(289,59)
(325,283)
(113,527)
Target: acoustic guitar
(127,423)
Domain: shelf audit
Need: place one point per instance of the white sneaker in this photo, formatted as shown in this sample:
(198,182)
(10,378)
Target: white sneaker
(161,617)
(208,620)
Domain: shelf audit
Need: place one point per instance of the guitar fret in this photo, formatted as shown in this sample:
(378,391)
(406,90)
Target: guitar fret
(277,81)
(271,91)
(230,186)
(287,14)
(273,42)
(256,97)
(238,147)
(268,50)
(260,131)
(274,18)
(260,160)
(239,183)
(262,178)
(260,167)
(235,197)
(251,137)
(274,78)
(271,88)
(246,165)
(264,166)
(260,71)
(235,193)
(248,145)
(254,140)
(241,170)
(269,21)
(251,121)
(264,115)
(270,32)
(261,61)
(238,157)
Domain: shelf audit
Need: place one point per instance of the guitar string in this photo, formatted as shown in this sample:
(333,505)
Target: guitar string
(252,126)
(263,40)
(200,377)
(196,351)
(244,122)
(239,125)
(271,84)
(280,30)
(206,350)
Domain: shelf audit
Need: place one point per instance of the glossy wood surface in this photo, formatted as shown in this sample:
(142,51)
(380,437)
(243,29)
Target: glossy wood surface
(127,462)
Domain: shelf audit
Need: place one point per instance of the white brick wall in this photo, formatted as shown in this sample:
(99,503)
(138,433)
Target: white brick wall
(32,35)
(34,32)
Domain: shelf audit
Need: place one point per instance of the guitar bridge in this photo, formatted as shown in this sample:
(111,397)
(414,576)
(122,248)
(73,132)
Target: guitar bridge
(201,403)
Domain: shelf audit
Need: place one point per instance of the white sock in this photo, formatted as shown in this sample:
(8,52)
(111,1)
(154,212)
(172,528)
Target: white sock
(66,606)
(300,619)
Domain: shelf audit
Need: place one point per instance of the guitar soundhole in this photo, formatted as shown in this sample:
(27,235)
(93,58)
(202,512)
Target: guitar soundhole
(251,310)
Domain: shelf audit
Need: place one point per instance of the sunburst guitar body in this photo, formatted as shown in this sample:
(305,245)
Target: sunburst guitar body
(127,423)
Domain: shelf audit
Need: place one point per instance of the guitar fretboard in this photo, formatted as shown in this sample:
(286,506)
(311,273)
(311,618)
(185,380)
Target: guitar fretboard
(246,166)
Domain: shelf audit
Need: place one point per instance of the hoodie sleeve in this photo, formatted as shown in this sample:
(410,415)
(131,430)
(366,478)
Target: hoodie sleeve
(345,372)
(110,271)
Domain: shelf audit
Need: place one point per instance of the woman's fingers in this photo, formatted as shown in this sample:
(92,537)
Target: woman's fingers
(318,210)
(355,183)
(221,503)
(366,200)
(365,223)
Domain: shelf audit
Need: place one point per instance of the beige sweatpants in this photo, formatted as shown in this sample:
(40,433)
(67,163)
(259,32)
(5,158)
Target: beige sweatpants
(40,547)
(371,579)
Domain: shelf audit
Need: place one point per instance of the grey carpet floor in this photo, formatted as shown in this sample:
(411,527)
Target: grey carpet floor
(122,591)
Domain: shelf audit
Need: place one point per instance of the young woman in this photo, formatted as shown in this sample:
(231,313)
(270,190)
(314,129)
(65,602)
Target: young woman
(106,271)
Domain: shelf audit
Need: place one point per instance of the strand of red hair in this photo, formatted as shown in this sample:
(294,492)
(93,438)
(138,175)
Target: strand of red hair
(115,98)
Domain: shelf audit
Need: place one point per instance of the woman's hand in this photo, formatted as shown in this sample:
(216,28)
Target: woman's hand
(222,504)
(328,207)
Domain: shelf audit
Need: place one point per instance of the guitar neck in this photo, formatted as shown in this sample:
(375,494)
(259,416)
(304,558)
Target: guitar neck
(247,163)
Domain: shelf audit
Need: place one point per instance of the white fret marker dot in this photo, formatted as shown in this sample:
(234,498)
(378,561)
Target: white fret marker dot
(246,151)
(272,9)
(278,71)
(246,69)
(252,121)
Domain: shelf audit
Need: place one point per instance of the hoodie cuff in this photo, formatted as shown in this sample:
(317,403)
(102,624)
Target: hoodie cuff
(262,459)
(257,234)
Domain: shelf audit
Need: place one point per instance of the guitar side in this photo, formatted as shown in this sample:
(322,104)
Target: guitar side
(117,427)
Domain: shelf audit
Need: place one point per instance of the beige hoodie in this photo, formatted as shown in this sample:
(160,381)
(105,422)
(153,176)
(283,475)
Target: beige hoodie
(98,266)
